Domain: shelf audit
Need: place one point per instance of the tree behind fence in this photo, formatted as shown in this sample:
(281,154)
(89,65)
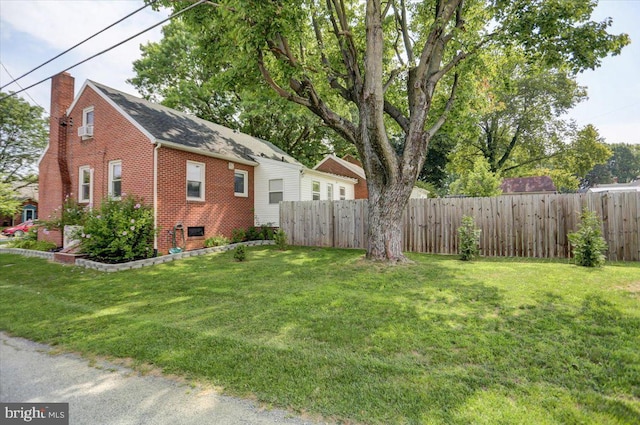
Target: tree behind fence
(512,225)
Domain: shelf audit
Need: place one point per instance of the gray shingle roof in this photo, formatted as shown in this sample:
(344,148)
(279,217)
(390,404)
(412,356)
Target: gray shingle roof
(169,125)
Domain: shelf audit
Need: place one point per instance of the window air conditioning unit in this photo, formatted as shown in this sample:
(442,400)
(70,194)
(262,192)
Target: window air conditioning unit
(85,131)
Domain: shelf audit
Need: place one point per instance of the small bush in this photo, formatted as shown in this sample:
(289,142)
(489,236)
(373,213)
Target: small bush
(280,238)
(240,253)
(267,232)
(30,241)
(469,236)
(588,244)
(238,235)
(217,240)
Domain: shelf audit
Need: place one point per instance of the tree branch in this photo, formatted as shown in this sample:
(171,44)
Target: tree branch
(447,108)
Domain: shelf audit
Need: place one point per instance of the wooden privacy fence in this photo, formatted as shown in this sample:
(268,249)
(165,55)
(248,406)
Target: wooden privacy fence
(512,225)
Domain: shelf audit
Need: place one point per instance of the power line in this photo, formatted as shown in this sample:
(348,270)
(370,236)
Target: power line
(107,49)
(78,44)
(18,84)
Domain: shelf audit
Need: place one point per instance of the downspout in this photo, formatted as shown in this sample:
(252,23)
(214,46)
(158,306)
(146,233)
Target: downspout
(155,194)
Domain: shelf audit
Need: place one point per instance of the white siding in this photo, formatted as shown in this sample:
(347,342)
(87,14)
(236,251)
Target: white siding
(306,186)
(266,170)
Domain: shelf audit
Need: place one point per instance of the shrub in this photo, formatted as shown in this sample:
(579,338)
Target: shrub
(240,253)
(217,240)
(238,235)
(253,234)
(588,244)
(119,231)
(267,232)
(30,241)
(280,238)
(70,213)
(469,236)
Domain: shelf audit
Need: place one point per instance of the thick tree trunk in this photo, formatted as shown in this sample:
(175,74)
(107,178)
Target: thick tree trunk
(386,206)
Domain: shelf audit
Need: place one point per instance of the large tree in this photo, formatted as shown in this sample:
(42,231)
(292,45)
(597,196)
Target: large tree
(386,73)
(23,136)
(520,122)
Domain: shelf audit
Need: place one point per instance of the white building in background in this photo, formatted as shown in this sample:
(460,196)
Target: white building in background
(277,181)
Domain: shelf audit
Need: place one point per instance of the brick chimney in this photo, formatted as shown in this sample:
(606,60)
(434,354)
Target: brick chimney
(53,178)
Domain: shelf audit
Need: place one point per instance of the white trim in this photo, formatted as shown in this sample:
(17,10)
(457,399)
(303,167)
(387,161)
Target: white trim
(203,173)
(260,160)
(85,112)
(314,191)
(155,195)
(330,176)
(245,193)
(110,180)
(81,183)
(107,99)
(348,165)
(269,191)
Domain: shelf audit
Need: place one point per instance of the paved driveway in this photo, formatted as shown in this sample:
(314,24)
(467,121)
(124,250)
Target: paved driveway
(107,394)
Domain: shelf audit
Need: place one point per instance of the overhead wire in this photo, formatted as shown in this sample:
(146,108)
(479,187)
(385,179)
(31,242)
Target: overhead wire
(107,49)
(18,84)
(78,44)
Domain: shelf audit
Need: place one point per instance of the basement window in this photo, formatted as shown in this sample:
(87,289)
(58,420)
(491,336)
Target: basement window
(195,231)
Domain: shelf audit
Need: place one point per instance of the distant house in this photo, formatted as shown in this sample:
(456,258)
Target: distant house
(633,186)
(346,166)
(528,185)
(351,167)
(28,196)
(208,178)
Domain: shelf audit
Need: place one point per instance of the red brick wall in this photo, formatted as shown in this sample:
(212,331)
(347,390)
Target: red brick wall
(114,138)
(333,167)
(49,180)
(220,213)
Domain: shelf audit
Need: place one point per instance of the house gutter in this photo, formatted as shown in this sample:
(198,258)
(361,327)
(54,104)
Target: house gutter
(155,193)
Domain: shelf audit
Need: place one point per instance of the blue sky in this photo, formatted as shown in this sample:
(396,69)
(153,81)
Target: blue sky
(32,32)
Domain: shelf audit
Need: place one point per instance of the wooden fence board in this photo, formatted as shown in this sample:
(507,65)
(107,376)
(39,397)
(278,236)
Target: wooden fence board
(512,225)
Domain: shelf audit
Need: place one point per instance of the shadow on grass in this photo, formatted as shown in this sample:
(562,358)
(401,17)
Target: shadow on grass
(320,331)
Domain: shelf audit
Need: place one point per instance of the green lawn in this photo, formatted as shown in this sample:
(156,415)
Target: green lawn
(322,332)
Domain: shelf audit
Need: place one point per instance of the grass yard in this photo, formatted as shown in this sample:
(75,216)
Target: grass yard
(322,332)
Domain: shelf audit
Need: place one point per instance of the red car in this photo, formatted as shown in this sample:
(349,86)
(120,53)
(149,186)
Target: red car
(18,230)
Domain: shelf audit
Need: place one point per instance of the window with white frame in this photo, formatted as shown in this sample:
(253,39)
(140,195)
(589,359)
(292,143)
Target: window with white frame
(87,116)
(85,184)
(343,193)
(241,183)
(276,191)
(195,181)
(330,191)
(315,190)
(115,179)
(86,130)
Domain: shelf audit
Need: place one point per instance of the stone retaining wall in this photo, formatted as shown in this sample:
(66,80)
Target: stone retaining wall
(134,264)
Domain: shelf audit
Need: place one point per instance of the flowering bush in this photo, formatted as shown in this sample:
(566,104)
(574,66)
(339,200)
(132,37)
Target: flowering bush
(70,213)
(119,231)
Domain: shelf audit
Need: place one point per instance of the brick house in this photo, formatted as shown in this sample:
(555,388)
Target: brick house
(206,177)
(346,166)
(527,185)
(28,196)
